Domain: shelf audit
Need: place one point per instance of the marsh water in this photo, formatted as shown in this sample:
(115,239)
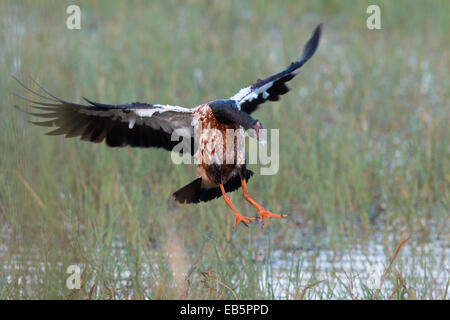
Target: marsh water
(310,270)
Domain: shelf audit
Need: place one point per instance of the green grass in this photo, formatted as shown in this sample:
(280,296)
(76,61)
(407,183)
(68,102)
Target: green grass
(364,143)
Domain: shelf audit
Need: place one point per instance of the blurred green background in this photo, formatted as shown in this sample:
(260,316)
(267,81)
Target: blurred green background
(364,151)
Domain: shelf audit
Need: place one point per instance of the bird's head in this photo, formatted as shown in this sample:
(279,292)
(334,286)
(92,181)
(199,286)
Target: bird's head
(227,112)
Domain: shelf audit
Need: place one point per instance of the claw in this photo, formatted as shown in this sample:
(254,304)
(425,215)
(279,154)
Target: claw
(262,213)
(265,214)
(240,218)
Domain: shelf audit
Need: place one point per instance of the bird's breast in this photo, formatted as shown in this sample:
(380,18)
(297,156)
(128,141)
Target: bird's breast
(217,143)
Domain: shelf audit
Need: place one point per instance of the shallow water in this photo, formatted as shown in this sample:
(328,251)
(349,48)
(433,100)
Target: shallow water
(360,269)
(353,272)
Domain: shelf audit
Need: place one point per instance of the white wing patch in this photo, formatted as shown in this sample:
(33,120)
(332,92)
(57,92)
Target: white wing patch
(153,116)
(240,95)
(248,94)
(160,108)
(259,89)
(131,122)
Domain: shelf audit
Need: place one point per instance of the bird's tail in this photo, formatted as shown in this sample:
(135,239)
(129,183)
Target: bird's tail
(189,193)
(194,193)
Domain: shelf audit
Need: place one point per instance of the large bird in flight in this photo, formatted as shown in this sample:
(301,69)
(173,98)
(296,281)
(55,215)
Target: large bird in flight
(203,129)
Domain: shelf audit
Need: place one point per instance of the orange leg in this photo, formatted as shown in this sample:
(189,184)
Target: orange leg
(263,213)
(237,216)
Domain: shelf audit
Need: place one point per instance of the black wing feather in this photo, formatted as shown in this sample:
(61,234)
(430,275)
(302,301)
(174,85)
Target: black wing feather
(97,122)
(271,88)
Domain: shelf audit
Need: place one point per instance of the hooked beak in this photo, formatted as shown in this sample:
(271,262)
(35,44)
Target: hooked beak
(256,132)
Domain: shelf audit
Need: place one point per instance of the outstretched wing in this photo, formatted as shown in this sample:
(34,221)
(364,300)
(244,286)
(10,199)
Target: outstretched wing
(249,98)
(136,124)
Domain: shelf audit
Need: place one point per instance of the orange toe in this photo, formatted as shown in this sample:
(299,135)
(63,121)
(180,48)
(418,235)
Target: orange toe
(237,216)
(240,218)
(265,214)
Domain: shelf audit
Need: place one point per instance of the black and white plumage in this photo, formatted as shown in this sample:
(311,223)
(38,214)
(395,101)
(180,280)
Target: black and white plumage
(249,98)
(136,124)
(153,125)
